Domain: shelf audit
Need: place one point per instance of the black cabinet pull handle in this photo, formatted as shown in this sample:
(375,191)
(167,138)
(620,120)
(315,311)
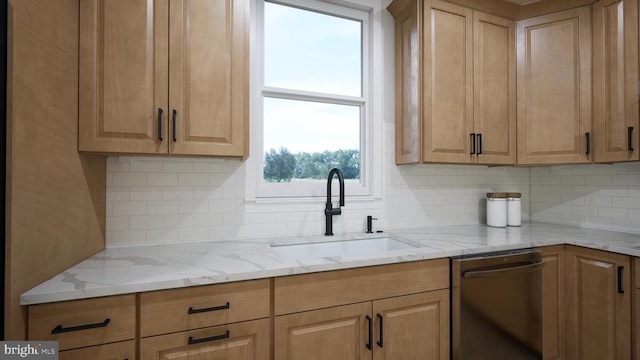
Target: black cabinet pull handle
(160,124)
(479,144)
(193,341)
(588,139)
(369,343)
(59,329)
(630,138)
(379,342)
(174,116)
(213,308)
(473,143)
(620,287)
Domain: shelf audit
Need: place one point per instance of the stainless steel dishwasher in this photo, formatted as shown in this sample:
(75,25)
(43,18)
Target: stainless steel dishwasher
(496,306)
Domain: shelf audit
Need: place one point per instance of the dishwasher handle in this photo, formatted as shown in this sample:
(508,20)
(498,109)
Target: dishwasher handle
(484,273)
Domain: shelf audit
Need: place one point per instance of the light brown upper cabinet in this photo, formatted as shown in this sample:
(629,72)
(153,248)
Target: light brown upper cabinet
(554,88)
(615,77)
(455,84)
(164,76)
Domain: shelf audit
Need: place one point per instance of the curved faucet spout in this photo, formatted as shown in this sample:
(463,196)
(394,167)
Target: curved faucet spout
(329,211)
(332,173)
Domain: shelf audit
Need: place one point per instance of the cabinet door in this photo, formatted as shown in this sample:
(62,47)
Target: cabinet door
(554,87)
(448,82)
(123,82)
(408,124)
(339,332)
(598,314)
(209,77)
(412,327)
(494,109)
(553,284)
(241,341)
(125,350)
(615,77)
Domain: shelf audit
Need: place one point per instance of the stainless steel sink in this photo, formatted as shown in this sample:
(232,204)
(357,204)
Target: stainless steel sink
(339,248)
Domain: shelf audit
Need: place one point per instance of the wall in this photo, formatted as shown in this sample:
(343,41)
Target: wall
(598,196)
(55,197)
(168,200)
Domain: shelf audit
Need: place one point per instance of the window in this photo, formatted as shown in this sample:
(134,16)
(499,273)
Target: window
(310,109)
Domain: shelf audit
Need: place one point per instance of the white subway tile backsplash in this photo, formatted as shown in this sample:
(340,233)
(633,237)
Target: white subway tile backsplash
(146,165)
(159,201)
(613,213)
(129,179)
(145,193)
(610,194)
(173,221)
(125,208)
(162,207)
(178,166)
(162,179)
(193,180)
(118,223)
(144,222)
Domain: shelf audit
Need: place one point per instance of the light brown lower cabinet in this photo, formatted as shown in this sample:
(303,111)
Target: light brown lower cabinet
(636,343)
(598,305)
(406,327)
(125,350)
(553,283)
(248,340)
(398,311)
(636,316)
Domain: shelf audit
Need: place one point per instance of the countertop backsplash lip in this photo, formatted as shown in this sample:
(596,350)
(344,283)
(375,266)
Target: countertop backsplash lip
(124,270)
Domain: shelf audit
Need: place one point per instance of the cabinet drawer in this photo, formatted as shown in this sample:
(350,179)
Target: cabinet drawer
(125,350)
(249,340)
(315,291)
(168,311)
(83,323)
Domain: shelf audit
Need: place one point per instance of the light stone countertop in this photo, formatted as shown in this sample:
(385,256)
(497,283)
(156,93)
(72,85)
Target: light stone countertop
(126,270)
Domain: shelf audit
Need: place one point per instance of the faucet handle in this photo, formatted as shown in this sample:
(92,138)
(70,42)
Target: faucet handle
(370,224)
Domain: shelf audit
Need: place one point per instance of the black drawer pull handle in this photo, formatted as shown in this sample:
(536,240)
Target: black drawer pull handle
(174,115)
(588,139)
(479,144)
(193,341)
(59,329)
(369,343)
(379,342)
(630,138)
(473,143)
(160,124)
(620,271)
(213,308)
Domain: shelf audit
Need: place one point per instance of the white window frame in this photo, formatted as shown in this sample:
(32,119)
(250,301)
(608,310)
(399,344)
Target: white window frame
(370,175)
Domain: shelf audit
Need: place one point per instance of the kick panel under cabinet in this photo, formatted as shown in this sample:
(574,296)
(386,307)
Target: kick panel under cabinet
(164,77)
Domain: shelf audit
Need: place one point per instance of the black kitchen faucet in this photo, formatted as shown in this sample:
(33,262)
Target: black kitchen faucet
(329,211)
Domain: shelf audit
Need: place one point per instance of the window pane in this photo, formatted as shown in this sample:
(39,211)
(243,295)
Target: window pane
(303,140)
(310,51)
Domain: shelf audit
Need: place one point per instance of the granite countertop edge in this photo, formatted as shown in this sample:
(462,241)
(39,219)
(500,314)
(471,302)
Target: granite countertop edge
(127,270)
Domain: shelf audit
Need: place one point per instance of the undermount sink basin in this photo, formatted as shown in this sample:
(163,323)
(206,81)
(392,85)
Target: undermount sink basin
(339,248)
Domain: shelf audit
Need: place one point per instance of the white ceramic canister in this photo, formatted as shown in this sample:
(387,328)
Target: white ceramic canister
(514,209)
(497,209)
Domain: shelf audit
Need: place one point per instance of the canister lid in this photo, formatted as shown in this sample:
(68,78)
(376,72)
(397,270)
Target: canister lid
(514,195)
(497,195)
